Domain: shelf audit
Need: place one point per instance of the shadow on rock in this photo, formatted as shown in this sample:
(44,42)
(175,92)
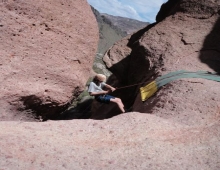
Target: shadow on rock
(210,53)
(81,111)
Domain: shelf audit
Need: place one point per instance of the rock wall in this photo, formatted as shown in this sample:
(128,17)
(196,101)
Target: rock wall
(182,131)
(187,38)
(47,52)
(111,30)
(129,141)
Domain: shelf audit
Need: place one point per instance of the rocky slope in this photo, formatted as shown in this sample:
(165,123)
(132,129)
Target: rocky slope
(186,38)
(125,25)
(46,56)
(129,141)
(178,128)
(114,28)
(111,30)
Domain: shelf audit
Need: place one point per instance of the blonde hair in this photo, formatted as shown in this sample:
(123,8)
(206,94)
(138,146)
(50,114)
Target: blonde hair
(100,77)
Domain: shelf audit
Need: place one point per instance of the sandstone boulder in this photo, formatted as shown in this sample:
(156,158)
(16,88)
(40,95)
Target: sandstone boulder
(47,52)
(129,141)
(187,39)
(182,131)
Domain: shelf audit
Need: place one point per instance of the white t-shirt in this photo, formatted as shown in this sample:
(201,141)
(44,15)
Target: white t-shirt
(94,88)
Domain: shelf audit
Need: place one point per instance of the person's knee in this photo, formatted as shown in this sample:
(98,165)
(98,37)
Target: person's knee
(118,100)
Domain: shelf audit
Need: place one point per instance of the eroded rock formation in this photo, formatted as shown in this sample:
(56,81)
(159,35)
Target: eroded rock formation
(47,52)
(182,131)
(186,38)
(129,141)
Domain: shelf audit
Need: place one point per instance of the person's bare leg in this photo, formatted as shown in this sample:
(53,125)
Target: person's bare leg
(119,103)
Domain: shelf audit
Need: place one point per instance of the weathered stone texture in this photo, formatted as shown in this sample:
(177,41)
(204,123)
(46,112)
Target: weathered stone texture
(47,51)
(184,40)
(178,128)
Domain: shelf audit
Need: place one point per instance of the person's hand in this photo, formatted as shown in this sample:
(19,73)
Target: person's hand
(113,89)
(106,92)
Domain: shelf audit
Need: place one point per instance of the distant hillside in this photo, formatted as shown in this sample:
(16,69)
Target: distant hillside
(111,30)
(108,33)
(126,25)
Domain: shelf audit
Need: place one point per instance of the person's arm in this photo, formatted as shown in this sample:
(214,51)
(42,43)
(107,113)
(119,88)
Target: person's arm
(110,87)
(98,93)
(93,92)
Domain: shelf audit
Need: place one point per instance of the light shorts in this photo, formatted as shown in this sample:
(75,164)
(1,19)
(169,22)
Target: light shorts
(104,98)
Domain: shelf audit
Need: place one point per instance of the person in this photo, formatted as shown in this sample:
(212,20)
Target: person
(96,89)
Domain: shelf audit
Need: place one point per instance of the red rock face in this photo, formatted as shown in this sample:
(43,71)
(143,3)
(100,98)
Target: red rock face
(186,38)
(182,131)
(47,51)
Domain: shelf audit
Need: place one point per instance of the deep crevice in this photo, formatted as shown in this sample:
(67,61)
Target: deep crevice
(42,111)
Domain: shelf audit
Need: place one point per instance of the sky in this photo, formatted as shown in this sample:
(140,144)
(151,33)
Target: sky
(142,10)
